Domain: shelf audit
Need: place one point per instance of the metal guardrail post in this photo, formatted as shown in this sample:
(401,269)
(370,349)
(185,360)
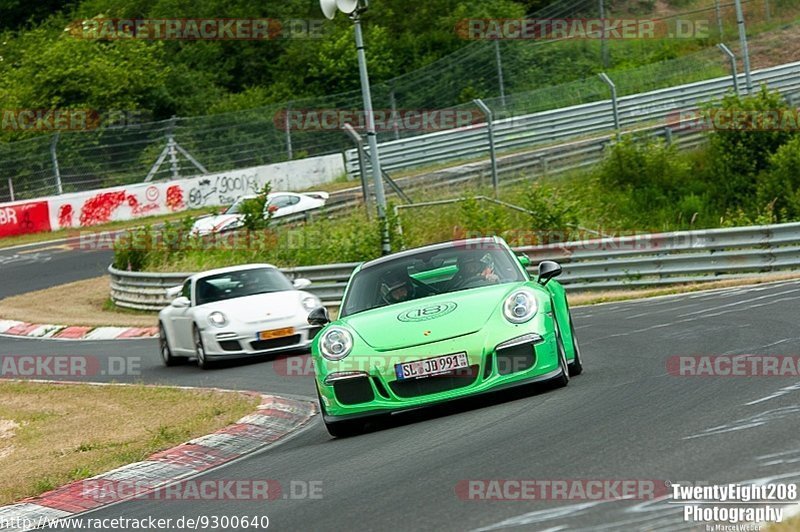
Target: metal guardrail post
(743,44)
(393,105)
(356,138)
(604,35)
(614,104)
(490,129)
(288,127)
(734,73)
(499,60)
(56,169)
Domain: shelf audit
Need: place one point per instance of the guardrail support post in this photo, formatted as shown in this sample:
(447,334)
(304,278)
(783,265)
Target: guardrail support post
(490,129)
(11,189)
(734,73)
(614,104)
(56,169)
(362,170)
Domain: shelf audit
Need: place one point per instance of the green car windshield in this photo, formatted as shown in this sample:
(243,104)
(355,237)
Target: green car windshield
(427,273)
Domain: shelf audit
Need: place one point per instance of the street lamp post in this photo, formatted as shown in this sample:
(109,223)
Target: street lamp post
(354,9)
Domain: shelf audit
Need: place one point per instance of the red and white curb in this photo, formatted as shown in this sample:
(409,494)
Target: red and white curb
(275,418)
(65,332)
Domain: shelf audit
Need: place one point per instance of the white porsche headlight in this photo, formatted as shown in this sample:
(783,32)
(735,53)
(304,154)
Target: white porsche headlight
(336,343)
(217,319)
(311,302)
(520,306)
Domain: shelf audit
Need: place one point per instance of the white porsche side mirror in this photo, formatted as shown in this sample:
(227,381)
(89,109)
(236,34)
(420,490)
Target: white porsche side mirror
(301,283)
(181,302)
(175,291)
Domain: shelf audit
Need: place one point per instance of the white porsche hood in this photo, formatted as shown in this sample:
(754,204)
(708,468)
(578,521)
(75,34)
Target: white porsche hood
(213,224)
(259,308)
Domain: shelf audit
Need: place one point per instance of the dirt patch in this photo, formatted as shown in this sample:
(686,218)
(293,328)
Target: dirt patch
(68,432)
(7,429)
(79,303)
(776,47)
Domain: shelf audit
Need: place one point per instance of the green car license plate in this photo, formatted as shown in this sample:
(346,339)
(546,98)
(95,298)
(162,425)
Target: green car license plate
(431,366)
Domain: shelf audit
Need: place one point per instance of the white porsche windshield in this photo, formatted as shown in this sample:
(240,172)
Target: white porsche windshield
(240,283)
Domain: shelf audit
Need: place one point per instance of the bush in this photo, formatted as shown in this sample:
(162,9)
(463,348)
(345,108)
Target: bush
(550,212)
(780,185)
(131,249)
(737,154)
(255,211)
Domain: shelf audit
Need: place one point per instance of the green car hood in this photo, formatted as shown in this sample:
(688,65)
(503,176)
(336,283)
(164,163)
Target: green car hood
(429,319)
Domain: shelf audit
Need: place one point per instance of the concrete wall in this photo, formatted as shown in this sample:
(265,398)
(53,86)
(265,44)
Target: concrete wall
(84,209)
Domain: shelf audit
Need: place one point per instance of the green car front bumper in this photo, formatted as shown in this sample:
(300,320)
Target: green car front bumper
(502,357)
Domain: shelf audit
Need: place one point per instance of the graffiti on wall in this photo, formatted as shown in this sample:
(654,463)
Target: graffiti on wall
(222,189)
(95,207)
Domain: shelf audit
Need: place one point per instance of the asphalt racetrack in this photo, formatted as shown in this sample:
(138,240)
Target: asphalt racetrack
(626,418)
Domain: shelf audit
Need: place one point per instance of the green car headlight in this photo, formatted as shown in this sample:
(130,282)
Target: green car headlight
(336,343)
(520,306)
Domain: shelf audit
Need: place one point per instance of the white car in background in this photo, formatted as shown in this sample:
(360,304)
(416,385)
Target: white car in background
(279,203)
(240,311)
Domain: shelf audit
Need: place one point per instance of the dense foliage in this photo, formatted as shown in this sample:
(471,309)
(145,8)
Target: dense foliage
(44,65)
(641,186)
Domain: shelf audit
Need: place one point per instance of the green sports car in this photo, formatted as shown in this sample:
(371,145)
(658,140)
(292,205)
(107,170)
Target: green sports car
(437,323)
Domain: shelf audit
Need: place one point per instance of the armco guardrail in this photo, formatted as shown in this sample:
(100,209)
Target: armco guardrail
(613,262)
(549,160)
(148,291)
(561,124)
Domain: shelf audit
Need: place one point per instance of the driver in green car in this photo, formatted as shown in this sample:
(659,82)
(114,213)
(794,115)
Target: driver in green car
(473,268)
(397,287)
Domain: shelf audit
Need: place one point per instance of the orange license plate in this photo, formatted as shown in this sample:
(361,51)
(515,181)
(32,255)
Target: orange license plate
(276,333)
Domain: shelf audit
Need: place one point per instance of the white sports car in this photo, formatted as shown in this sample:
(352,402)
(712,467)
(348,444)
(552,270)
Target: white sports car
(241,311)
(279,203)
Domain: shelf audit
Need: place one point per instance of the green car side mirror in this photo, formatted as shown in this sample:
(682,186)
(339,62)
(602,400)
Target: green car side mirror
(547,270)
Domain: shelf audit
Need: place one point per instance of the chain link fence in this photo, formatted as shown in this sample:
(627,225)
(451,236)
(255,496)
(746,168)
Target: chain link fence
(514,77)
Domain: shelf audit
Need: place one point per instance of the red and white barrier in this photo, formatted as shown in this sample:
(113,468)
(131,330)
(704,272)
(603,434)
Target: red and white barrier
(20,218)
(94,207)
